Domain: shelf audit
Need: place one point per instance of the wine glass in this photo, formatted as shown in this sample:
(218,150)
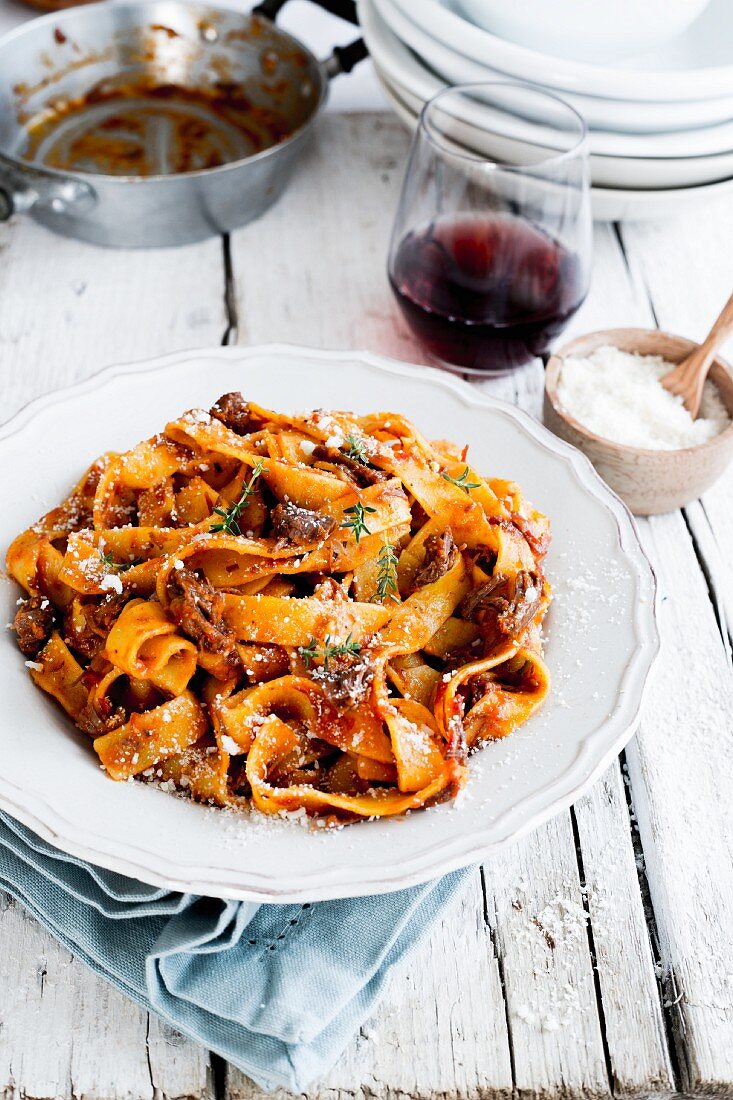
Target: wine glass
(491,246)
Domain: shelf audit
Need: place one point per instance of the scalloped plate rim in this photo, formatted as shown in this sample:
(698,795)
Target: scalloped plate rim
(442,856)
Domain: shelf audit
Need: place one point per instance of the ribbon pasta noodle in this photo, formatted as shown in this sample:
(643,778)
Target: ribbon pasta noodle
(319,612)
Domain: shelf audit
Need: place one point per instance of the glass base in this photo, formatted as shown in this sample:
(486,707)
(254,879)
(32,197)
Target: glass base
(473,374)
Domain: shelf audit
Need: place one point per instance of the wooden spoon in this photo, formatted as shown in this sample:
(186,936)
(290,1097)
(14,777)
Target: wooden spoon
(688,378)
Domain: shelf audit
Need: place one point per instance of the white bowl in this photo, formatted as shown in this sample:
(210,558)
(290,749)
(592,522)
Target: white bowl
(586,30)
(627,116)
(605,141)
(695,65)
(607,204)
(415,83)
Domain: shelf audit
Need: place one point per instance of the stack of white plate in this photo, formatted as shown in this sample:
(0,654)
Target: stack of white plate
(661,124)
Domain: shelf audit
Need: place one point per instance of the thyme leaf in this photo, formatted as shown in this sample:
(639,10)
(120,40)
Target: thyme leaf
(462,482)
(356,449)
(387,575)
(230,516)
(356,521)
(121,566)
(312,652)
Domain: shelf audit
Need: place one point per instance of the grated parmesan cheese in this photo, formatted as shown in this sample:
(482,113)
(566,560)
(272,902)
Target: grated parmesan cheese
(230,745)
(111,583)
(618,396)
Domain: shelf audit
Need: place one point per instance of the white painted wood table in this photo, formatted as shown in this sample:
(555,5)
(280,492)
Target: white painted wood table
(594,958)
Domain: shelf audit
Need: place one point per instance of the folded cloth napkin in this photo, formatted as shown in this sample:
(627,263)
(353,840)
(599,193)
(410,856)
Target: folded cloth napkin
(278,990)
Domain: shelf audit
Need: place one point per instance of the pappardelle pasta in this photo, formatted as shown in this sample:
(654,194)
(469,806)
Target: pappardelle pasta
(317,612)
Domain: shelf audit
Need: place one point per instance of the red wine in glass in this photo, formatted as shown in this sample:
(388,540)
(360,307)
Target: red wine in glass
(485,292)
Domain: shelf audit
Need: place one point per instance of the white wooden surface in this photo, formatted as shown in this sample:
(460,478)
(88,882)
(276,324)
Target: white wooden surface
(596,957)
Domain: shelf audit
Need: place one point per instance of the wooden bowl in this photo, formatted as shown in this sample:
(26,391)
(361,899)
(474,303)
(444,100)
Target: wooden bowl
(648,481)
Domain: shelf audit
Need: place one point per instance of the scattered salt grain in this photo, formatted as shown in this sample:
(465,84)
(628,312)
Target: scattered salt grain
(618,396)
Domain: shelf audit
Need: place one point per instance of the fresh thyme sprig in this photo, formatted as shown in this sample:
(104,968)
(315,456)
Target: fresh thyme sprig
(462,482)
(356,522)
(356,449)
(230,516)
(121,566)
(387,575)
(311,652)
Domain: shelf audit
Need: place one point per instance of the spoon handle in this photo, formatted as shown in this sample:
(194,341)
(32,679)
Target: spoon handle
(687,379)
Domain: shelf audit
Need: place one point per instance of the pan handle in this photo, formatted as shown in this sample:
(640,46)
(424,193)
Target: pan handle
(344,9)
(344,58)
(23,187)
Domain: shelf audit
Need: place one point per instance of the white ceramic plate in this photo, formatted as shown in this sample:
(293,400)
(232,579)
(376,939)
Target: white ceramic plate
(414,83)
(609,141)
(697,65)
(607,203)
(601,640)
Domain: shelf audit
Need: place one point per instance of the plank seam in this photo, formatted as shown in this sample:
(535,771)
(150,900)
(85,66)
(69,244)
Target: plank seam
(716,604)
(612,1082)
(627,264)
(651,924)
(219,1073)
(155,1092)
(230,294)
(500,970)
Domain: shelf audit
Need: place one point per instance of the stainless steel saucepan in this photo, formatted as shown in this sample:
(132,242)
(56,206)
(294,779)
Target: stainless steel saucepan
(143,123)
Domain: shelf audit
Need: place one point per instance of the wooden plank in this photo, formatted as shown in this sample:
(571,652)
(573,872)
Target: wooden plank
(681,780)
(633,1019)
(534,897)
(461,1037)
(680,765)
(710,527)
(179,1069)
(327,241)
(67,309)
(36,1010)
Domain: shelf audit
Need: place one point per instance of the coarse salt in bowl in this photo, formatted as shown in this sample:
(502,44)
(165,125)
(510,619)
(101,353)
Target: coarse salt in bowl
(602,394)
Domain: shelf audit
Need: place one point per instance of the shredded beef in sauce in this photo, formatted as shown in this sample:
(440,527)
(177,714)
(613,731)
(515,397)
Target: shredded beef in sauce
(359,474)
(86,627)
(96,722)
(235,413)
(199,611)
(290,523)
(441,554)
(509,607)
(346,681)
(33,624)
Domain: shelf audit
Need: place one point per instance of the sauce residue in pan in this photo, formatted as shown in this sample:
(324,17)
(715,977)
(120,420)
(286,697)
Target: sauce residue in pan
(147,129)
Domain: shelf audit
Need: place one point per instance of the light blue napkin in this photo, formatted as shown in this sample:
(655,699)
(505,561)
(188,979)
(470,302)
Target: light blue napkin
(278,990)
